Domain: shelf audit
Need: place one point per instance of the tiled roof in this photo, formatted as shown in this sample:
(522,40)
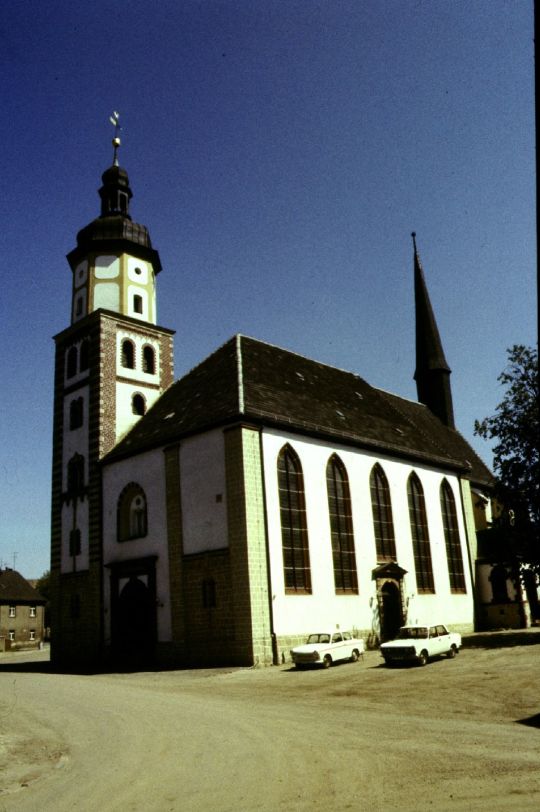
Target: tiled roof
(13,587)
(255,381)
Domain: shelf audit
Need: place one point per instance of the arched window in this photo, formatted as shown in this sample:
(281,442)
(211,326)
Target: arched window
(341,527)
(128,354)
(383,523)
(75,477)
(71,363)
(451,536)
(149,359)
(76,414)
(138,404)
(420,535)
(84,355)
(294,534)
(131,513)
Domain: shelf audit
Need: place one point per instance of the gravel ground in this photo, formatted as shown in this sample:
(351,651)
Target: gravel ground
(460,734)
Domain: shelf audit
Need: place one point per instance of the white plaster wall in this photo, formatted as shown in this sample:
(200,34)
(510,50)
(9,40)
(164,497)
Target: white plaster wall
(107,295)
(75,442)
(135,290)
(203,494)
(137,373)
(137,270)
(125,418)
(80,273)
(148,471)
(79,376)
(295,614)
(79,305)
(69,563)
(107,267)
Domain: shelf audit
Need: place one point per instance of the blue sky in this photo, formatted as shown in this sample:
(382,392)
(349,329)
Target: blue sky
(280,153)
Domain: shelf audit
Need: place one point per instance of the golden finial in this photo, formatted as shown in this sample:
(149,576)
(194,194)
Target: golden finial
(114,119)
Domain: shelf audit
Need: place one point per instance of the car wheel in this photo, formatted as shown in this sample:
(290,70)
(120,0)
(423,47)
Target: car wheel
(355,655)
(452,653)
(327,662)
(423,658)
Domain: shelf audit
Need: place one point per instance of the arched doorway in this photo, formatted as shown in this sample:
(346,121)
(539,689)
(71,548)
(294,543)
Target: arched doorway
(390,610)
(133,605)
(390,599)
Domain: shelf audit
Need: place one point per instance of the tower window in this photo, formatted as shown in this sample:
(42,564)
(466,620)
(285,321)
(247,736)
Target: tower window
(138,404)
(128,354)
(149,359)
(71,363)
(137,303)
(294,534)
(75,476)
(76,413)
(84,355)
(208,593)
(132,521)
(420,536)
(75,541)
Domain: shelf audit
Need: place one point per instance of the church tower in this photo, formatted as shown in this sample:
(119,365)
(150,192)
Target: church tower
(432,373)
(112,363)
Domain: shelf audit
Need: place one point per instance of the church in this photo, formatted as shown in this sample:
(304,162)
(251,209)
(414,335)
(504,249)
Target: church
(222,517)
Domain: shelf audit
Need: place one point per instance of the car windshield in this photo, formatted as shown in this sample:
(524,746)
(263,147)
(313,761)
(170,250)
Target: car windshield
(319,638)
(412,633)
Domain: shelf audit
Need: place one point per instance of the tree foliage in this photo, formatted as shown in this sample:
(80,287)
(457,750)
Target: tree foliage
(515,426)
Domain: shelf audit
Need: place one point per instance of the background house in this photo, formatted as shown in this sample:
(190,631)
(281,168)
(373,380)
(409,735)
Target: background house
(21,613)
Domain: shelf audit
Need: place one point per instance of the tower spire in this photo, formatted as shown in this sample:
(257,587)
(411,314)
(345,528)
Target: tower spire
(432,374)
(114,119)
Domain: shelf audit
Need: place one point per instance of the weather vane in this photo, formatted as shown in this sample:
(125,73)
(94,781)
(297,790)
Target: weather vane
(114,119)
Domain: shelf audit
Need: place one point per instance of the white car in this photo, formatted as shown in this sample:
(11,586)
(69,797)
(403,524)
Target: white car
(325,648)
(420,643)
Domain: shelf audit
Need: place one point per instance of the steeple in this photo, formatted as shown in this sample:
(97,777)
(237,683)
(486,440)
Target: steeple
(432,374)
(114,264)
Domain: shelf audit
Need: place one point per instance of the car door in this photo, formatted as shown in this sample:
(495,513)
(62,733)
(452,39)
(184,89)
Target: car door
(435,644)
(337,646)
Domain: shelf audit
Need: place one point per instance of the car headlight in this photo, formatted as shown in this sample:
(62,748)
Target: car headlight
(315,655)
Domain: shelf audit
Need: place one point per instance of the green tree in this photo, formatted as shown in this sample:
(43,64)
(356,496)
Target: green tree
(516,428)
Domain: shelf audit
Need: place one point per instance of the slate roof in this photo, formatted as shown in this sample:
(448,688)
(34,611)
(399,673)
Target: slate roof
(258,382)
(13,587)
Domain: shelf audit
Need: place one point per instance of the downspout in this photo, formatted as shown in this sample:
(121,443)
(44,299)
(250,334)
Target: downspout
(275,652)
(469,559)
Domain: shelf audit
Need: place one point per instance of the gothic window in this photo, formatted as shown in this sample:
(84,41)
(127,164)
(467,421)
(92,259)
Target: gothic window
(84,355)
(76,413)
(341,527)
(451,536)
(383,523)
(294,535)
(75,477)
(137,304)
(138,404)
(71,363)
(132,514)
(128,354)
(149,359)
(420,536)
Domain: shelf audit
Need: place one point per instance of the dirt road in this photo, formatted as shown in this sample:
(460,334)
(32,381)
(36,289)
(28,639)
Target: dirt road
(459,734)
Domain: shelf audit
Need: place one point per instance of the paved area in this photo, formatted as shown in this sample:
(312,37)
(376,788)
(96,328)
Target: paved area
(459,734)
